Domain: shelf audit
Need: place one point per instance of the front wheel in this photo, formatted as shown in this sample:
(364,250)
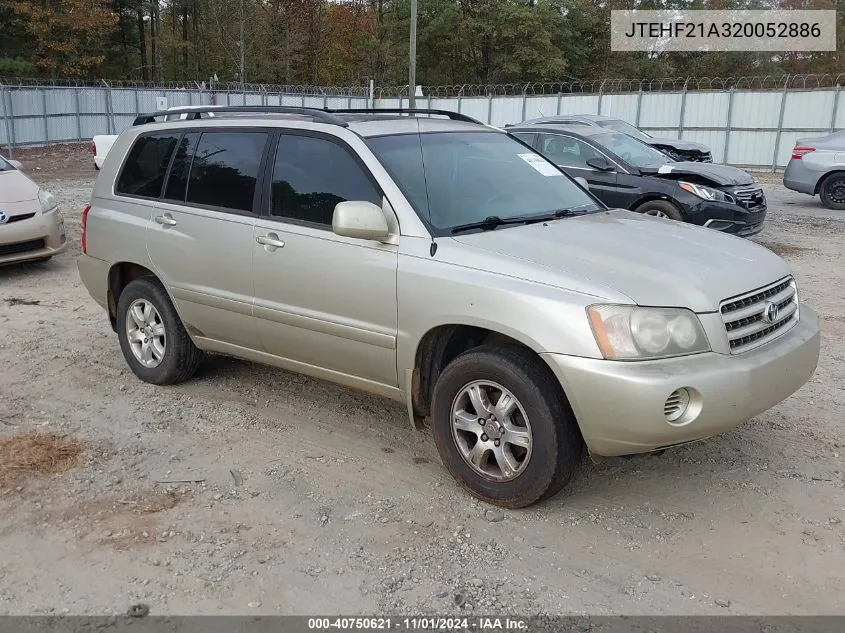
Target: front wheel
(503,428)
(153,340)
(832,191)
(660,209)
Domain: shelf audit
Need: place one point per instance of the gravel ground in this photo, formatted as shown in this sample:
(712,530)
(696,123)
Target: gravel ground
(254,490)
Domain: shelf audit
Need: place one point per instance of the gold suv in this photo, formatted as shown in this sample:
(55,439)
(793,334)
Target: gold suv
(438,261)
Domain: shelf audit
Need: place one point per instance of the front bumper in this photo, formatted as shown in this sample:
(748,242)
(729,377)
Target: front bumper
(727,217)
(620,405)
(34,238)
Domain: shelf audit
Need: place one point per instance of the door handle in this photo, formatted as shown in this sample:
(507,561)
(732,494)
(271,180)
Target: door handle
(165,219)
(271,239)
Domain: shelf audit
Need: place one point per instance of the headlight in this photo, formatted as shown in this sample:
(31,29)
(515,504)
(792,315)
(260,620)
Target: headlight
(47,200)
(706,193)
(634,333)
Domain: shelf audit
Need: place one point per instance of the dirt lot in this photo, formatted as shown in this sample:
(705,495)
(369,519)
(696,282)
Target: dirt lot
(253,490)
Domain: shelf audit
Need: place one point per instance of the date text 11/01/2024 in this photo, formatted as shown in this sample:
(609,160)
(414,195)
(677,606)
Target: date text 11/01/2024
(418,624)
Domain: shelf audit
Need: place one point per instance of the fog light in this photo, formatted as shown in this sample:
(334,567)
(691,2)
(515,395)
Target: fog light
(676,405)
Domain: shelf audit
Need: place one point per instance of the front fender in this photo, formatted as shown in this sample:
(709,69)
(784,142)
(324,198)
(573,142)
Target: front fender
(544,318)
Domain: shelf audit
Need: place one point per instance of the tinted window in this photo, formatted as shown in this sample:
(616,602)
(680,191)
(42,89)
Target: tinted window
(177,182)
(567,151)
(145,167)
(455,178)
(311,175)
(225,169)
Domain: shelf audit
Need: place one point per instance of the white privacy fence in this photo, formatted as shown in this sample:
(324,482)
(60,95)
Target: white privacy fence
(742,127)
(41,115)
(747,127)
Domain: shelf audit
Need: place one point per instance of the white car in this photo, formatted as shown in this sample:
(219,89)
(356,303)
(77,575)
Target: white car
(31,225)
(101,144)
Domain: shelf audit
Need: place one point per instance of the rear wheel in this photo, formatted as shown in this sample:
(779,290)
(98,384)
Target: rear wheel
(153,340)
(503,428)
(832,191)
(660,209)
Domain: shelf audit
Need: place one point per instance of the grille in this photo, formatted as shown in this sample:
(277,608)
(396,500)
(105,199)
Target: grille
(751,198)
(18,218)
(21,247)
(751,321)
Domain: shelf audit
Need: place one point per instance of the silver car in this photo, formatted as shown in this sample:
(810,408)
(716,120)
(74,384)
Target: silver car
(31,225)
(817,166)
(441,263)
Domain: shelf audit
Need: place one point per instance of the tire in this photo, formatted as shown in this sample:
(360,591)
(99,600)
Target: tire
(832,191)
(660,208)
(173,357)
(556,446)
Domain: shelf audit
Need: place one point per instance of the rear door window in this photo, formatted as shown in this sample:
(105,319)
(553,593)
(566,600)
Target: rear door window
(145,168)
(225,169)
(177,182)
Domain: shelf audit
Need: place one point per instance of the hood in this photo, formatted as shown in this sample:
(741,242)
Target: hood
(677,144)
(722,175)
(16,187)
(653,261)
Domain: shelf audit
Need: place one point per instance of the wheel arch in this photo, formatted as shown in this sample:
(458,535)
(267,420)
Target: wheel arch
(823,177)
(120,275)
(652,196)
(443,343)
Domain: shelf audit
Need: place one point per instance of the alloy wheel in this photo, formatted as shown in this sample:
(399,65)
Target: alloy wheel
(145,333)
(491,430)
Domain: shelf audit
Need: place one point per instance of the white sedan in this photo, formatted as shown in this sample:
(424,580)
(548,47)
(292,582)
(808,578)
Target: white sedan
(31,225)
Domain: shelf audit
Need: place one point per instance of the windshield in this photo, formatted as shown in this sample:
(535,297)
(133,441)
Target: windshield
(457,178)
(626,128)
(4,166)
(631,150)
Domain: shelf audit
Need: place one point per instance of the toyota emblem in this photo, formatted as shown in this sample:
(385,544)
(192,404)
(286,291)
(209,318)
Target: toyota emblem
(770,312)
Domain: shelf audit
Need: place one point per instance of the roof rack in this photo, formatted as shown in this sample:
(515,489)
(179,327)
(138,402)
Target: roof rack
(455,116)
(318,114)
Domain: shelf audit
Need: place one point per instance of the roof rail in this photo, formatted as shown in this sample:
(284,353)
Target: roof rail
(318,114)
(455,116)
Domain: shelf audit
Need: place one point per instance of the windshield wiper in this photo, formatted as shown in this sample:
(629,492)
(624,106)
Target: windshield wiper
(491,222)
(488,224)
(581,209)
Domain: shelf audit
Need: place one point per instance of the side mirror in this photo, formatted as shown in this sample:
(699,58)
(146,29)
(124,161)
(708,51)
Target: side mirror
(360,219)
(15,163)
(583,182)
(600,163)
